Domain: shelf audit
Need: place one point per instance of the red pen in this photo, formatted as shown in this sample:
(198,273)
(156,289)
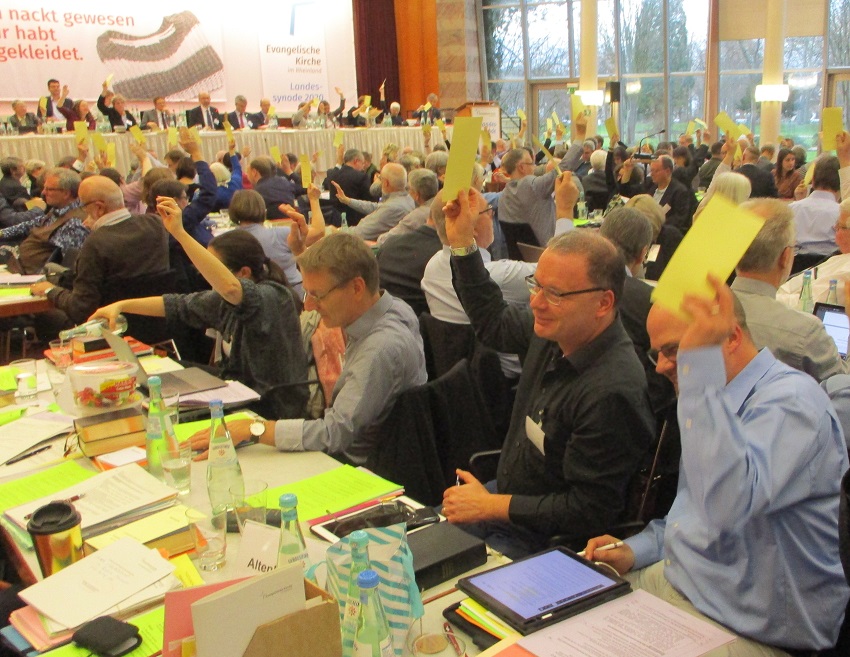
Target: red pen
(450,635)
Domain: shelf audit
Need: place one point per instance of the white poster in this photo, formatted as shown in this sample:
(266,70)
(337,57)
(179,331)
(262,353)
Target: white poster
(287,51)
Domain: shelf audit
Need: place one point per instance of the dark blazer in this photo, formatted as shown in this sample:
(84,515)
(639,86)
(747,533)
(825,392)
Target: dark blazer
(195,116)
(257,118)
(401,262)
(762,182)
(115,119)
(68,104)
(397,120)
(250,120)
(681,202)
(354,183)
(12,190)
(149,116)
(30,121)
(668,239)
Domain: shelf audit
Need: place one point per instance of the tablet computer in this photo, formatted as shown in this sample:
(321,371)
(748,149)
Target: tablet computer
(542,589)
(836,324)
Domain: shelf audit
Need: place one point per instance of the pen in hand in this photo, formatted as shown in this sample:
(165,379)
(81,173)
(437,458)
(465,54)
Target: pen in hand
(604,548)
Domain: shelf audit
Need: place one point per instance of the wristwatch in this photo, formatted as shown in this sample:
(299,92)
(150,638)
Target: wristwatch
(257,429)
(464,250)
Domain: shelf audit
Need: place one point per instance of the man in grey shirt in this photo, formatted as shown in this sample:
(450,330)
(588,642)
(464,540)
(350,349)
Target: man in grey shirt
(383,357)
(527,199)
(381,217)
(797,339)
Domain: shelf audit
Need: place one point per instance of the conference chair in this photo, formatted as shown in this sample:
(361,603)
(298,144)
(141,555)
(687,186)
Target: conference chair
(803,261)
(517,233)
(530,253)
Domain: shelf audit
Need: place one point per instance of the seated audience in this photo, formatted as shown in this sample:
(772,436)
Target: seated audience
(432,113)
(79,112)
(354,182)
(11,188)
(35,176)
(53,101)
(239,119)
(816,215)
(249,304)
(204,116)
(300,117)
(21,119)
(422,185)
(786,175)
(120,246)
(677,200)
(275,189)
(706,171)
(395,203)
(158,118)
(766,153)
(581,424)
(229,181)
(114,107)
(764,512)
(763,182)
(383,358)
(264,118)
(328,118)
(596,190)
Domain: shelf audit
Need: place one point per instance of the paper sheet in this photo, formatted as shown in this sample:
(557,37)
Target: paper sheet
(810,173)
(20,279)
(714,244)
(98,582)
(549,125)
(555,118)
(743,130)
(367,102)
(540,146)
(274,153)
(833,123)
(334,491)
(461,156)
(98,141)
(136,131)
(521,114)
(691,128)
(702,124)
(111,157)
(611,126)
(42,484)
(306,170)
(42,104)
(638,625)
(185,430)
(577,105)
(81,131)
(172,137)
(146,529)
(25,433)
(109,79)
(234,393)
(339,135)
(726,124)
(228,131)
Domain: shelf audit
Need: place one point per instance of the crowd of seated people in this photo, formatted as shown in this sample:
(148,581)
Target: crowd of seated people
(592,364)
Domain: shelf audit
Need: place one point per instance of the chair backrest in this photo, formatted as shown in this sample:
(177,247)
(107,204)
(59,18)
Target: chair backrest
(445,344)
(844,525)
(144,329)
(804,261)
(530,253)
(517,233)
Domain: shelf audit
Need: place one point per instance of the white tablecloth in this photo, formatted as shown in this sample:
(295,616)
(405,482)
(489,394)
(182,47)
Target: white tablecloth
(51,148)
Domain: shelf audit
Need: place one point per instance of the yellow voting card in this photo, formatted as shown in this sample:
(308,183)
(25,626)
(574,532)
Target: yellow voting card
(426,107)
(136,131)
(42,103)
(98,141)
(338,137)
(228,130)
(306,170)
(833,123)
(172,137)
(577,105)
(726,124)
(272,111)
(743,130)
(441,125)
(555,118)
(194,133)
(111,156)
(274,151)
(702,124)
(715,244)
(367,101)
(30,204)
(461,156)
(521,114)
(611,126)
(426,129)
(810,173)
(109,79)
(374,111)
(545,150)
(549,125)
(81,131)
(692,126)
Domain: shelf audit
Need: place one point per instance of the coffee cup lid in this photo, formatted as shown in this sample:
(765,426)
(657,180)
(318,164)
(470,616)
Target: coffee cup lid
(53,517)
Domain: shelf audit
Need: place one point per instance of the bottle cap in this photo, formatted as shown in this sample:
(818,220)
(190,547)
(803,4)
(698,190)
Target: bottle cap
(359,538)
(368,579)
(216,408)
(288,501)
(154,381)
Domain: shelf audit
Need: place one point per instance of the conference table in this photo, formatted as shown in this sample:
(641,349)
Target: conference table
(51,148)
(276,468)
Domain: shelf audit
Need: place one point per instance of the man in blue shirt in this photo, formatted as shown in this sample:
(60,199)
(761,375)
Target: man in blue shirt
(751,541)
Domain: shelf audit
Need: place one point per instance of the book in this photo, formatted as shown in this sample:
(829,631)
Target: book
(111,431)
(165,530)
(139,348)
(106,500)
(121,457)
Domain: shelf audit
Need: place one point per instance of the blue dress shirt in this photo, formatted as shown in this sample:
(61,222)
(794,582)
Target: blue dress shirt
(752,537)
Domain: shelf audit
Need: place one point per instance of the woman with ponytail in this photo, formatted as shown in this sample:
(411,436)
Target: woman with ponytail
(250,305)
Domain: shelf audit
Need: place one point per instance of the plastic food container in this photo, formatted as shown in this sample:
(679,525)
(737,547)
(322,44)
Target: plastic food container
(104,385)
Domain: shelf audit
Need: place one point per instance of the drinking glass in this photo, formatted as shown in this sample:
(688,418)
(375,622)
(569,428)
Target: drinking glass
(209,532)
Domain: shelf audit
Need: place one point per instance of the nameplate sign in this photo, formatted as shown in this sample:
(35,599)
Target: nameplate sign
(258,549)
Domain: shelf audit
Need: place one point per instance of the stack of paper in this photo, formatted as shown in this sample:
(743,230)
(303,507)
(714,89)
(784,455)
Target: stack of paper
(119,579)
(23,434)
(106,500)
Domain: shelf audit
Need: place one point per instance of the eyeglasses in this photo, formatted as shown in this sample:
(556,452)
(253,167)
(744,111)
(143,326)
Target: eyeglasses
(839,226)
(669,351)
(552,297)
(489,208)
(51,189)
(318,297)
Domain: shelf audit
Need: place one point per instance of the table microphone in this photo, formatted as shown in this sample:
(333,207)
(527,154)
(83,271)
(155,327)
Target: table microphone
(641,156)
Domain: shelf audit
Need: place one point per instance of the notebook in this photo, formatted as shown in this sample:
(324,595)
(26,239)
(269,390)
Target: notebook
(187,381)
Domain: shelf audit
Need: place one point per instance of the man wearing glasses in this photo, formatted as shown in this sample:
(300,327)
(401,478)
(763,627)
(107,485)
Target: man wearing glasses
(527,199)
(581,423)
(383,355)
(751,541)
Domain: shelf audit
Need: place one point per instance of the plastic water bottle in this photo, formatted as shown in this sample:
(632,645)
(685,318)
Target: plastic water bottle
(159,433)
(372,638)
(832,296)
(807,302)
(293,548)
(94,328)
(343,223)
(359,542)
(223,471)
(581,207)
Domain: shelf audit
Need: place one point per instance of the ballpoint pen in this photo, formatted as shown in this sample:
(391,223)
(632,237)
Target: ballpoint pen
(450,635)
(69,500)
(604,548)
(22,457)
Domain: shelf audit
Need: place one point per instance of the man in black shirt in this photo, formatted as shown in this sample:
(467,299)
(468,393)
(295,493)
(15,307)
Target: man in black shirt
(581,424)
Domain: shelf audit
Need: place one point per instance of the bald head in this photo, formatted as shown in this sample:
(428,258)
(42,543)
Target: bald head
(395,176)
(101,188)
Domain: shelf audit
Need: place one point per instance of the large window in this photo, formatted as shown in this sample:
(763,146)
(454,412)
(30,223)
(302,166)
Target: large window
(657,50)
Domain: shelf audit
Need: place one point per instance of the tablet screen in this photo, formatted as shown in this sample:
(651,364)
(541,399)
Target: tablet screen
(836,324)
(542,583)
